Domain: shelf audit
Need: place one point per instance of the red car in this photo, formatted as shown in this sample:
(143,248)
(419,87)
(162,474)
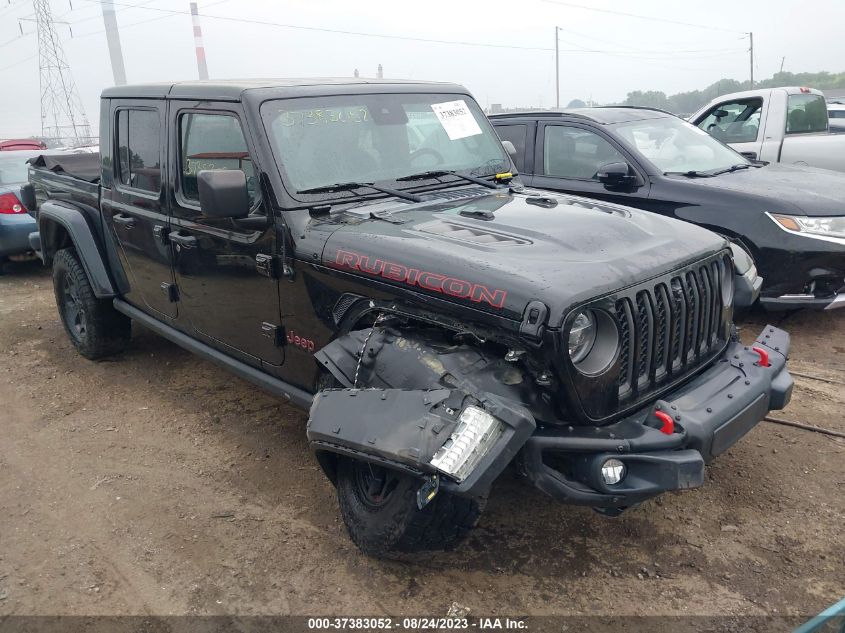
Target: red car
(21,144)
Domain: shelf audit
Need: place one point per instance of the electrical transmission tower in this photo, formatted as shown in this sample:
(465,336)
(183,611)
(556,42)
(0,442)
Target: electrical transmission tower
(63,118)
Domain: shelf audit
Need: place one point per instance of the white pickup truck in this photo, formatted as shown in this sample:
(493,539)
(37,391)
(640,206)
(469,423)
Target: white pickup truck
(779,125)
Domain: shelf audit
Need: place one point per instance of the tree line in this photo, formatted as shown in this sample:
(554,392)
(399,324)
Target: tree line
(688,102)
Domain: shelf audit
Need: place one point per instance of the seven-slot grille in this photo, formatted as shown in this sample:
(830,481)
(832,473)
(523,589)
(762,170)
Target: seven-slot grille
(669,328)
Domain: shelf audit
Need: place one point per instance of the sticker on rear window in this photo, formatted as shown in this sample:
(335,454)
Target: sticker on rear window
(456,119)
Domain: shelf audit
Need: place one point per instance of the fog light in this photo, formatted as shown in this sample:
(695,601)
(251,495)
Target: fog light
(612,471)
(472,439)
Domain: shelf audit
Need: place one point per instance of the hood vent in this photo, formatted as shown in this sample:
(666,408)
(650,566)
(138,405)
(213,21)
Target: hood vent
(471,234)
(455,194)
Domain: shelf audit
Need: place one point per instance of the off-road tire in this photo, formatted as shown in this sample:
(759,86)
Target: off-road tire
(399,527)
(94,327)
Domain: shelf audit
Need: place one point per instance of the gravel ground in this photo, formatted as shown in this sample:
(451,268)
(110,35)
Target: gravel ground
(157,483)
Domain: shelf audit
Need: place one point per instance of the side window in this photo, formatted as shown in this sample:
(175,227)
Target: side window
(806,113)
(734,122)
(138,149)
(516,134)
(212,141)
(571,152)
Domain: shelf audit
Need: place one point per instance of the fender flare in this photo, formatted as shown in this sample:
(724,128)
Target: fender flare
(51,216)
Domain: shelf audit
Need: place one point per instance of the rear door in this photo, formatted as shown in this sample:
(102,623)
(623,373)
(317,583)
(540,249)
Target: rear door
(134,208)
(223,267)
(568,156)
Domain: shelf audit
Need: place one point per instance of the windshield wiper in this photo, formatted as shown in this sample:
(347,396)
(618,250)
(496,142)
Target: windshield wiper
(689,174)
(349,186)
(732,168)
(437,173)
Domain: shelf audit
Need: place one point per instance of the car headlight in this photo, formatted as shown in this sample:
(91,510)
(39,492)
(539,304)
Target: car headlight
(477,432)
(824,227)
(582,336)
(593,341)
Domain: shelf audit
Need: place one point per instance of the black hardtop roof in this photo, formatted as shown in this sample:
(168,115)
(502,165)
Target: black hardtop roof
(232,89)
(601,115)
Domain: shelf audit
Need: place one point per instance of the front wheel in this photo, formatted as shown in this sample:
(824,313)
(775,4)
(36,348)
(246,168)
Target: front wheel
(379,507)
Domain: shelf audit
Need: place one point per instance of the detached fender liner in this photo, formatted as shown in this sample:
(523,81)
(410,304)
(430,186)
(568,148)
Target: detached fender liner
(403,429)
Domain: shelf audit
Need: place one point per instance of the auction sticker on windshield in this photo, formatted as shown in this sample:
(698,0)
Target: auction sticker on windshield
(456,119)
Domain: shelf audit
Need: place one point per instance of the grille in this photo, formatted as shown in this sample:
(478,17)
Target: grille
(669,328)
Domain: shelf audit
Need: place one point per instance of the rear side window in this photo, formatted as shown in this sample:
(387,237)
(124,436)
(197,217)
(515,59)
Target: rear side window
(837,114)
(516,134)
(576,153)
(734,121)
(212,141)
(139,149)
(806,113)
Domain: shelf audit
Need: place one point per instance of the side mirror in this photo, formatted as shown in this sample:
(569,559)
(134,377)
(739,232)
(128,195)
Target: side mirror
(509,148)
(223,193)
(616,175)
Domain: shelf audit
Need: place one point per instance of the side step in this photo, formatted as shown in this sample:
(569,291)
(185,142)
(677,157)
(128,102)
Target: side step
(295,395)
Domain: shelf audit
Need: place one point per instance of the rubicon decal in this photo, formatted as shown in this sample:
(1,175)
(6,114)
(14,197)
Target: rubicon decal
(437,282)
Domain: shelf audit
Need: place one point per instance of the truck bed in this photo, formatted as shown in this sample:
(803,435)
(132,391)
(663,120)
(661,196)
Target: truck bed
(73,177)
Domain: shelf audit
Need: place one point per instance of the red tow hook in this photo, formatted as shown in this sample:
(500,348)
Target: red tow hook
(764,356)
(668,423)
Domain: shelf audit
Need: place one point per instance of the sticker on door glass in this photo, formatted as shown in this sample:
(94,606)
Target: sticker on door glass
(456,118)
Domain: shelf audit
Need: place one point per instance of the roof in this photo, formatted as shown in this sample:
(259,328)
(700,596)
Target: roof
(601,115)
(232,89)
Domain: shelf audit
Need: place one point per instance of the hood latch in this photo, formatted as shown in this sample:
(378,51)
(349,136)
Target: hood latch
(534,321)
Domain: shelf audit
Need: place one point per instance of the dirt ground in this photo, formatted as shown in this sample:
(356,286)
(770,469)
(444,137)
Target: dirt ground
(157,483)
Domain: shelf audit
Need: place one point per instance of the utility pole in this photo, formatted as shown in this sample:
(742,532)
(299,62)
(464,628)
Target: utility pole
(557,69)
(62,114)
(113,39)
(202,65)
(751,51)
(782,59)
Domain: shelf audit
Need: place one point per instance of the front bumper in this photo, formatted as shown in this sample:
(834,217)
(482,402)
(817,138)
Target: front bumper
(710,414)
(806,301)
(14,234)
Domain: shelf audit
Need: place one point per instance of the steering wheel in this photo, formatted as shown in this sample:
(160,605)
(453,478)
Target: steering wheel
(427,151)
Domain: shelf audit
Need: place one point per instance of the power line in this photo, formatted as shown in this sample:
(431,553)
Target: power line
(337,31)
(643,17)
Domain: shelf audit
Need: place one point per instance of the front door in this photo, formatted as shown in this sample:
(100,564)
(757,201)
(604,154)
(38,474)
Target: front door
(226,295)
(736,123)
(134,207)
(567,158)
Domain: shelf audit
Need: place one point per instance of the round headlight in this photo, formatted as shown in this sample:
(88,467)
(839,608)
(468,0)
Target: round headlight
(727,283)
(582,336)
(593,341)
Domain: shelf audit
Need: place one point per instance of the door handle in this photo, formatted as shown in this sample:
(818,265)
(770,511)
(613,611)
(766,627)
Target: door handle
(124,220)
(185,241)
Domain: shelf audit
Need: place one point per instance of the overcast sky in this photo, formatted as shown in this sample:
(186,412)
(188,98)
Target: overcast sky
(636,54)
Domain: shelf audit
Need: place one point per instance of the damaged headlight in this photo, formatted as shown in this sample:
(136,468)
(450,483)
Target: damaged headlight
(830,228)
(477,432)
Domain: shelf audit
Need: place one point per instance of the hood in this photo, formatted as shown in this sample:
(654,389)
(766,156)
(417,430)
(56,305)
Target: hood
(500,250)
(785,188)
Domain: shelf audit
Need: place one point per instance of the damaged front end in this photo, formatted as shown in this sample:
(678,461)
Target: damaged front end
(469,438)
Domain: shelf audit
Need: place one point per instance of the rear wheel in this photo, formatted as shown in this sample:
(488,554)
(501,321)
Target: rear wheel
(379,507)
(94,327)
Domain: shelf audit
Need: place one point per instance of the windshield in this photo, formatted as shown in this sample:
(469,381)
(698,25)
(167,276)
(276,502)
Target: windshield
(674,145)
(13,166)
(324,141)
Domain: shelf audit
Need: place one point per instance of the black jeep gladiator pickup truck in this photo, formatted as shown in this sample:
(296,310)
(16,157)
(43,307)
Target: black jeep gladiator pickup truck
(364,250)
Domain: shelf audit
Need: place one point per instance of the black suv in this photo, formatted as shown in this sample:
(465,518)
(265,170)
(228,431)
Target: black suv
(362,249)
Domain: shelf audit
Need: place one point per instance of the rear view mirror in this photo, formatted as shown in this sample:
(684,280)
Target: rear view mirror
(615,175)
(509,148)
(720,113)
(223,193)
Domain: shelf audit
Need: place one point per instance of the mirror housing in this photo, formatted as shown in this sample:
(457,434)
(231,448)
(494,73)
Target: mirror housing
(616,175)
(223,193)
(509,148)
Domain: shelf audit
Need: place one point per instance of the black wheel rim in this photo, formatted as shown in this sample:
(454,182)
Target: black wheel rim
(73,311)
(374,485)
